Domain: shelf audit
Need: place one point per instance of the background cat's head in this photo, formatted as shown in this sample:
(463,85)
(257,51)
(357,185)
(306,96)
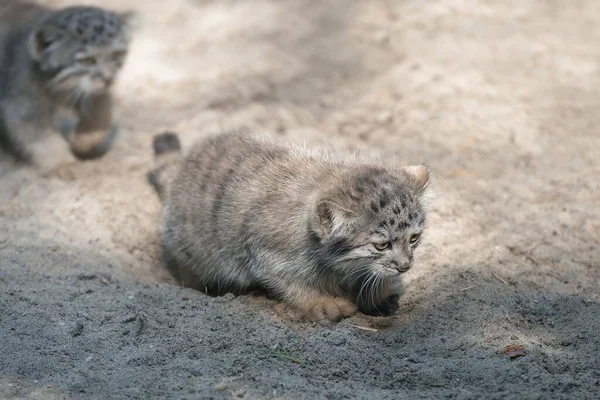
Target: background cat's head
(81,49)
(373,221)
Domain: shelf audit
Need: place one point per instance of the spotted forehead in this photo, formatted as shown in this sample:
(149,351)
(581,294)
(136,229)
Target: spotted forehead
(92,25)
(389,199)
(396,209)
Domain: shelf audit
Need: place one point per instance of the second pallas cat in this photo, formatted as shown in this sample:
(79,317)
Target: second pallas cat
(56,70)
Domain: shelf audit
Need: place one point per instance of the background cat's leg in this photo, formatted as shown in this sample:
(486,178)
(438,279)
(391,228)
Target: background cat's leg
(14,147)
(16,130)
(315,305)
(93,134)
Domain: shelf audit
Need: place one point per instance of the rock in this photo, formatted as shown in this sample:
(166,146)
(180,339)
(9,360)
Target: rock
(77,330)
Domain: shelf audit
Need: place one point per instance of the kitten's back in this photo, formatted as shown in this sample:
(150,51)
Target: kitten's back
(233,190)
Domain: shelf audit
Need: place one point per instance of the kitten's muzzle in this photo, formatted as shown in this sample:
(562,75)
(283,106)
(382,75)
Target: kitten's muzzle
(399,267)
(104,78)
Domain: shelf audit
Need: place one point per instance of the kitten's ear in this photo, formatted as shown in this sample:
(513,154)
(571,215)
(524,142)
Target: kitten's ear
(420,178)
(330,218)
(44,37)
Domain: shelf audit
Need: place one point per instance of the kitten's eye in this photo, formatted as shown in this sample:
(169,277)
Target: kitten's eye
(87,61)
(382,246)
(415,238)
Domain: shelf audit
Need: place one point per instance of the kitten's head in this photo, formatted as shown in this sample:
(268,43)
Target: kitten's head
(81,49)
(373,221)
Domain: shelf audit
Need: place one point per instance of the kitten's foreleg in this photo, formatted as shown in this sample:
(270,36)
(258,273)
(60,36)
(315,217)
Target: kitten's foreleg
(315,305)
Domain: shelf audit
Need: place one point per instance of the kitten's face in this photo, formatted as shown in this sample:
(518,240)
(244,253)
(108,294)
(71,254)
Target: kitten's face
(81,49)
(93,69)
(385,241)
(374,224)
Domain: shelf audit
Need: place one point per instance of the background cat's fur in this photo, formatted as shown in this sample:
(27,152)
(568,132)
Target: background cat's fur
(320,231)
(56,69)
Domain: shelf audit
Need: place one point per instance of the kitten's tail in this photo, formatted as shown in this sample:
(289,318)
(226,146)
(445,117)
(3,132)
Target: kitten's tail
(167,151)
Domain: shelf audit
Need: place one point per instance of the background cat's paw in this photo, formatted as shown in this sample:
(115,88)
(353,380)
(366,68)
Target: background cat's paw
(331,309)
(66,127)
(87,146)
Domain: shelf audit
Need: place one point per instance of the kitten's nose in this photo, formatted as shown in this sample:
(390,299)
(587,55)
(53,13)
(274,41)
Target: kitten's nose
(400,267)
(105,76)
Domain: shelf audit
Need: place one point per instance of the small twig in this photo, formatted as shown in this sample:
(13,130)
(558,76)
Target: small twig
(142,324)
(531,259)
(582,262)
(533,247)
(499,278)
(467,288)
(521,253)
(365,328)
(556,276)
(457,347)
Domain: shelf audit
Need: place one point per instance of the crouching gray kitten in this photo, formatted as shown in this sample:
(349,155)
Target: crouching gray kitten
(326,233)
(56,70)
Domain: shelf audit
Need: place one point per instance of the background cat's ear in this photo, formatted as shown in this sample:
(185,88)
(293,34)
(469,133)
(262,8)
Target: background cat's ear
(130,21)
(420,178)
(330,218)
(43,38)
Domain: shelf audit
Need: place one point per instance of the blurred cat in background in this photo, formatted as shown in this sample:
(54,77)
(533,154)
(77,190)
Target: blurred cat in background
(56,71)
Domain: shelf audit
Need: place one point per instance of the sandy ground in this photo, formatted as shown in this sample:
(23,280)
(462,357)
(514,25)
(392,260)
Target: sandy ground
(501,98)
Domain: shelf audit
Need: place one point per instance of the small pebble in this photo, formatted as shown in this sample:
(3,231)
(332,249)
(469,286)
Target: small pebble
(77,330)
(131,318)
(338,341)
(229,296)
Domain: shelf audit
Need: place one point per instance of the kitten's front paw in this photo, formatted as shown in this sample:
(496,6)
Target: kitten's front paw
(333,309)
(386,308)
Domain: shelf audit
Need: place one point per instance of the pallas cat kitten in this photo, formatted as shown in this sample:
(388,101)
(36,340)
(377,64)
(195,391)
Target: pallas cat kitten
(56,70)
(324,233)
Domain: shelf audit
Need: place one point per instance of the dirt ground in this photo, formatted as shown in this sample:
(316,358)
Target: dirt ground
(500,98)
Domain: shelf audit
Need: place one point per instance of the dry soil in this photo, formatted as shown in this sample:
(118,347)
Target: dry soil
(500,98)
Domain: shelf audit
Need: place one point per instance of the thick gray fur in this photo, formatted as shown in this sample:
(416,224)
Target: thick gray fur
(306,226)
(56,70)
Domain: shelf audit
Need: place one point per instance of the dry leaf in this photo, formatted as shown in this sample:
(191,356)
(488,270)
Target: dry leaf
(513,350)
